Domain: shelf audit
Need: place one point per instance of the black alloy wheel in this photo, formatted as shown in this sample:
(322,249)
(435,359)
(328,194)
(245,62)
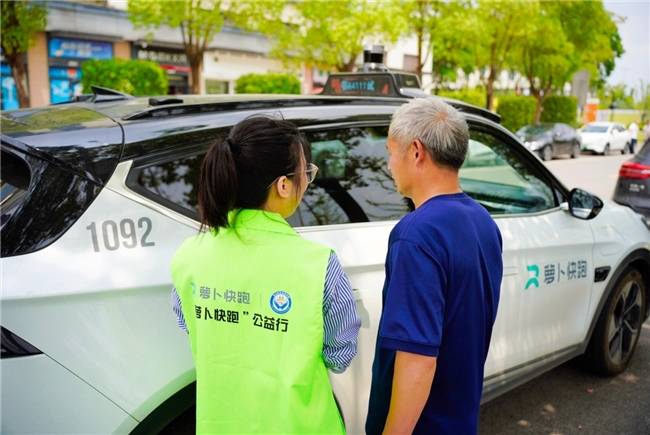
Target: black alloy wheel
(619,326)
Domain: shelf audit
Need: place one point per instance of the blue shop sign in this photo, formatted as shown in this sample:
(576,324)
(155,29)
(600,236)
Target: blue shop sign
(65,48)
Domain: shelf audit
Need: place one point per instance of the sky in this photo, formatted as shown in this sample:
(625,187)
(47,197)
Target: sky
(634,65)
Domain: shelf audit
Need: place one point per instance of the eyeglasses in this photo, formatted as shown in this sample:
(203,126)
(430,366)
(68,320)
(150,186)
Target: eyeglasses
(311,172)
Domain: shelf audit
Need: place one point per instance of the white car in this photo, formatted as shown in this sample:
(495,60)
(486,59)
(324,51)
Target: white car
(97,197)
(603,137)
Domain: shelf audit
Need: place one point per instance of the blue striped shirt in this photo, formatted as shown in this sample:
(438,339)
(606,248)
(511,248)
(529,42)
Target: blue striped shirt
(341,321)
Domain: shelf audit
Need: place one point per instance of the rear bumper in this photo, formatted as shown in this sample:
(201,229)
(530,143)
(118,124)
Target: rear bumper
(41,396)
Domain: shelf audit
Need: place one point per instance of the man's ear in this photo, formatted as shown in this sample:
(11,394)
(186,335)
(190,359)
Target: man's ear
(283,187)
(418,150)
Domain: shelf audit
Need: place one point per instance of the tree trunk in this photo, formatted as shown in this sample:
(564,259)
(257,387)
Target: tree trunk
(489,90)
(196,65)
(20,77)
(538,108)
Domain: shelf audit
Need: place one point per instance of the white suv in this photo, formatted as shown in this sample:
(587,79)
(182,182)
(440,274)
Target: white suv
(97,196)
(603,137)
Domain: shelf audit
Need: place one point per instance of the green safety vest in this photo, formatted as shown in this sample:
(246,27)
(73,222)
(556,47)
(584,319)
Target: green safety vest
(252,297)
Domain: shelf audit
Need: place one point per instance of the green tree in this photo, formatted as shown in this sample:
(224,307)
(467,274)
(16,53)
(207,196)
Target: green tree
(329,34)
(594,34)
(271,83)
(134,77)
(547,63)
(199,22)
(499,26)
(21,21)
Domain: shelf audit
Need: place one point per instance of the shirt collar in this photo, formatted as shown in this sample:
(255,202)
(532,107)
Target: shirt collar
(261,220)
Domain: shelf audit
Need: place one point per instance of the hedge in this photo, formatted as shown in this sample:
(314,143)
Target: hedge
(516,111)
(474,96)
(134,77)
(271,83)
(558,108)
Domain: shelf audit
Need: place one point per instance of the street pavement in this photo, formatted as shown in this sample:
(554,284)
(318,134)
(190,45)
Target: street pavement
(595,174)
(569,400)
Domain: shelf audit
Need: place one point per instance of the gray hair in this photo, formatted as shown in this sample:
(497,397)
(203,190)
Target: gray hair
(441,129)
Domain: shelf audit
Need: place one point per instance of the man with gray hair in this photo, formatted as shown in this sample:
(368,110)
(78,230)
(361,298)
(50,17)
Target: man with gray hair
(443,277)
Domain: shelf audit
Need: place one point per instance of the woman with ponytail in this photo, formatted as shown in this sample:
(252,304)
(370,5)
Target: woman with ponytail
(267,312)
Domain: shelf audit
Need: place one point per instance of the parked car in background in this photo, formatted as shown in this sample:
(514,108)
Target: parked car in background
(603,137)
(549,140)
(633,186)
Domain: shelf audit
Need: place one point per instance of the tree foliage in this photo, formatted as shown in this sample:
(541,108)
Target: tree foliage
(199,22)
(516,111)
(329,34)
(134,77)
(560,108)
(21,21)
(272,83)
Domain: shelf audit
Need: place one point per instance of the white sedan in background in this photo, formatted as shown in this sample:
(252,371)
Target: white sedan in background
(603,137)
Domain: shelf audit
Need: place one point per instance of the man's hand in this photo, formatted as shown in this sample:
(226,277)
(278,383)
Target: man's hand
(412,378)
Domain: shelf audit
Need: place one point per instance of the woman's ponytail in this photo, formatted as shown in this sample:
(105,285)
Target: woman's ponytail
(218,183)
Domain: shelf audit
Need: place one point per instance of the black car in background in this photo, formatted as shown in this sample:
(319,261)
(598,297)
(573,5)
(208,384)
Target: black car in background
(549,140)
(633,186)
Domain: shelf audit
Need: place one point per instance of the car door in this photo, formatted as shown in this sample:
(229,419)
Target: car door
(352,206)
(559,140)
(547,256)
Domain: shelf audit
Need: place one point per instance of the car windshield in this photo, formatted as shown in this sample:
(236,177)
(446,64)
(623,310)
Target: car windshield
(533,130)
(595,129)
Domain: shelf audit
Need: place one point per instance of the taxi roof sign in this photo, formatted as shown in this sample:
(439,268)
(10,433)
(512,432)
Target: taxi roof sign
(373,84)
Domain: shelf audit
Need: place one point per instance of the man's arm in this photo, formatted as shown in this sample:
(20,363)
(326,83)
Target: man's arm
(412,378)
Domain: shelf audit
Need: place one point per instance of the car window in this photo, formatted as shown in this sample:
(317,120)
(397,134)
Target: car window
(14,182)
(353,183)
(501,180)
(174,182)
(595,129)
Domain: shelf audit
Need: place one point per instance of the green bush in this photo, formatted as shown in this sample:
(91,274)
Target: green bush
(134,77)
(516,111)
(271,83)
(558,108)
(474,96)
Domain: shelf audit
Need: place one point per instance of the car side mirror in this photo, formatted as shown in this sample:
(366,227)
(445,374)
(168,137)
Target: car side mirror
(584,205)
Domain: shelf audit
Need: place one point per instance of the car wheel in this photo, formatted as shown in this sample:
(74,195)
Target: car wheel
(619,325)
(606,150)
(576,151)
(625,148)
(547,153)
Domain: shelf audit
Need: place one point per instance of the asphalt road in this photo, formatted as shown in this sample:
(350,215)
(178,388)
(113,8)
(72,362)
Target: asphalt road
(569,400)
(595,174)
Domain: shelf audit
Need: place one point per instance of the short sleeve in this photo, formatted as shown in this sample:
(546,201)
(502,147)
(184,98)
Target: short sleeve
(414,304)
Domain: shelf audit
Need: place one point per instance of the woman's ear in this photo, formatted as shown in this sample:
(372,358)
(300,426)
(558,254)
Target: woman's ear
(283,187)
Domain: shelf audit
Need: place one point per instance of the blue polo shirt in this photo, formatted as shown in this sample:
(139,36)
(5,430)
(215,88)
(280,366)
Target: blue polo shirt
(440,298)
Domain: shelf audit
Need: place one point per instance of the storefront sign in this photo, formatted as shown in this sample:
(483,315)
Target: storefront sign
(63,48)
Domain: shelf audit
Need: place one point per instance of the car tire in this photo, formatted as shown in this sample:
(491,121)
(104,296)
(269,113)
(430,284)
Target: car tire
(575,153)
(546,153)
(618,328)
(606,150)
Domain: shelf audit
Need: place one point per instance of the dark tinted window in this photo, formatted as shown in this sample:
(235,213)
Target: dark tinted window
(353,183)
(14,182)
(501,180)
(176,182)
(39,204)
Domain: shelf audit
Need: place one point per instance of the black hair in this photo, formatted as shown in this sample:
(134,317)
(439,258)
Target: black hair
(238,170)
